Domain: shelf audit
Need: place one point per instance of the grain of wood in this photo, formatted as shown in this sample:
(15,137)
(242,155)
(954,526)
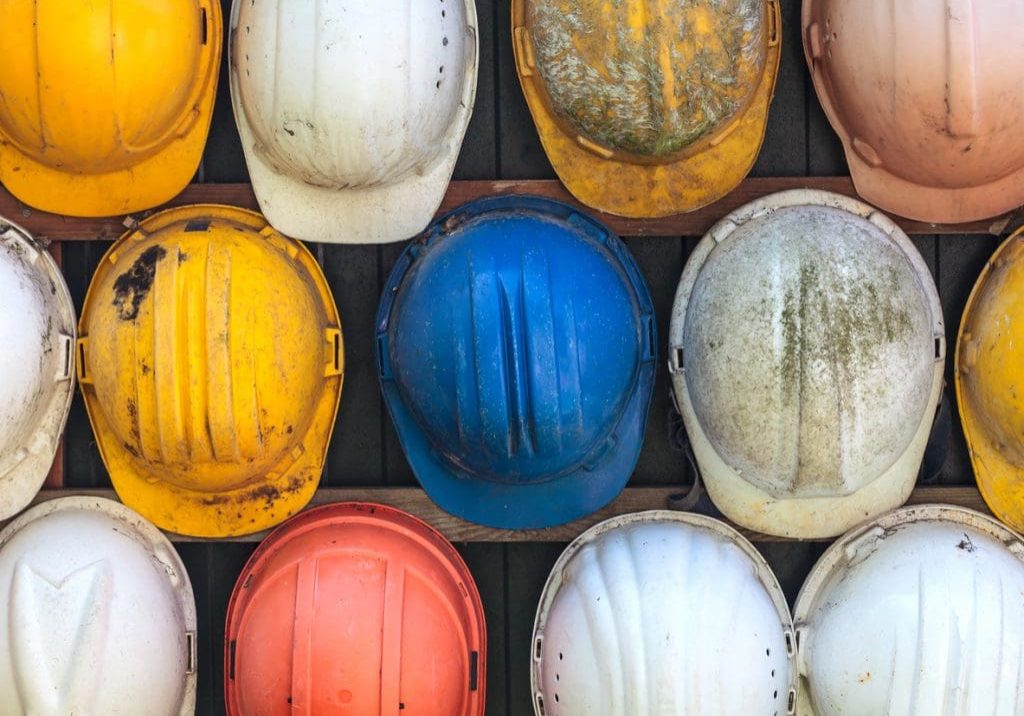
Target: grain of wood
(64,228)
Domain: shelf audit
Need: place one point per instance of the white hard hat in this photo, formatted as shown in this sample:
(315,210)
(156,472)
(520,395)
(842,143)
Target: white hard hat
(806,350)
(37,321)
(918,612)
(662,613)
(352,114)
(98,614)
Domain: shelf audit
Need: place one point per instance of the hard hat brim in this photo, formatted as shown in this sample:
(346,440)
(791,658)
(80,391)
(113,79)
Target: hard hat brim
(526,505)
(929,203)
(651,190)
(22,480)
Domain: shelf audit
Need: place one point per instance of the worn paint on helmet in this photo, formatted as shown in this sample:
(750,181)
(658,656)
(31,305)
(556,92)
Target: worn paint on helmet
(650,77)
(806,353)
(211,360)
(809,358)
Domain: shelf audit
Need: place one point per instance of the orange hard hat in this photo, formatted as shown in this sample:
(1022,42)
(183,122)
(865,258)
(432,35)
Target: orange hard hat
(355,608)
(926,97)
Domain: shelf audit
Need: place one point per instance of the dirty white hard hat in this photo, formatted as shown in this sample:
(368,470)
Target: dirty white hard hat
(37,377)
(806,350)
(917,612)
(352,114)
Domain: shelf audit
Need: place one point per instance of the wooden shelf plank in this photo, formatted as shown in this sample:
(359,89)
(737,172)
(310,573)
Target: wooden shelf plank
(633,499)
(62,228)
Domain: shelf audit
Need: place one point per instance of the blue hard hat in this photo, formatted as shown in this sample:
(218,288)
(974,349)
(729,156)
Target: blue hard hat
(516,347)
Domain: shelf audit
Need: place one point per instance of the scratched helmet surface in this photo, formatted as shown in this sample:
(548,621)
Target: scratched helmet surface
(355,608)
(36,364)
(670,98)
(210,358)
(651,613)
(348,109)
(926,97)
(87,127)
(806,355)
(99,615)
(516,346)
(917,612)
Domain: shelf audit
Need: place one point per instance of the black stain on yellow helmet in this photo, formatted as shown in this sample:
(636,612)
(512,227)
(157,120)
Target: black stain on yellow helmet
(133,285)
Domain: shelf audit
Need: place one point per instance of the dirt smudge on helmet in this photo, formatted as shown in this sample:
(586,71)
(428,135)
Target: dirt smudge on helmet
(133,285)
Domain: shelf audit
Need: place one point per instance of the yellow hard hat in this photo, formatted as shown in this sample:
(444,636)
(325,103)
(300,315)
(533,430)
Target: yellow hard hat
(105,105)
(648,109)
(990,381)
(210,358)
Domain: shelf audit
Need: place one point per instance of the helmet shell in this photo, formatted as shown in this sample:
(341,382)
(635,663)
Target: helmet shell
(807,357)
(355,607)
(37,365)
(648,108)
(87,128)
(515,340)
(926,99)
(987,373)
(349,109)
(915,612)
(211,370)
(651,613)
(99,614)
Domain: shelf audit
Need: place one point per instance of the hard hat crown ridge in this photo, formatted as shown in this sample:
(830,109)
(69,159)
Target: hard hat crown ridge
(606,97)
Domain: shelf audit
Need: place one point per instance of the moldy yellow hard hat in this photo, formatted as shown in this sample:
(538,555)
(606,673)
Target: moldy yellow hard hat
(106,104)
(210,358)
(648,109)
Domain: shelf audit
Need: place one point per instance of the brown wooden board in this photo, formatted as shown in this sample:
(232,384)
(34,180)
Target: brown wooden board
(62,228)
(631,499)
